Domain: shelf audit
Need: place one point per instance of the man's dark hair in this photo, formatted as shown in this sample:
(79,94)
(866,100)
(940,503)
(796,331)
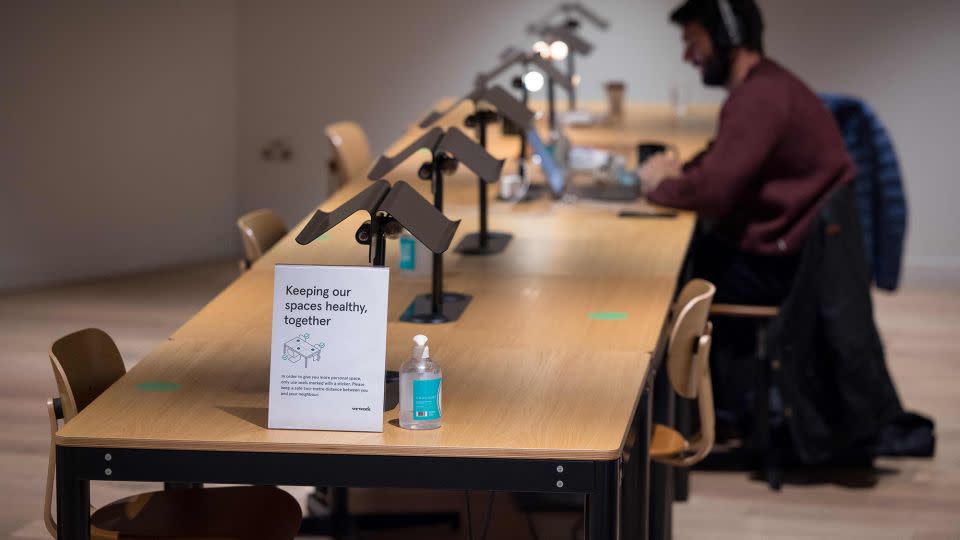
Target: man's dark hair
(708,13)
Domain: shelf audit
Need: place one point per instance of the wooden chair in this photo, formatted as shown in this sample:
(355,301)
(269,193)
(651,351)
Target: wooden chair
(85,364)
(351,153)
(688,368)
(260,229)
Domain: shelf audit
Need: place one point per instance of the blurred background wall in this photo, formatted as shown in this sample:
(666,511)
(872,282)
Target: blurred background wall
(131,132)
(117,137)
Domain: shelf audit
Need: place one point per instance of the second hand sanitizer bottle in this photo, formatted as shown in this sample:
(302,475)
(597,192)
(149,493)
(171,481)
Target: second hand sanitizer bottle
(421,388)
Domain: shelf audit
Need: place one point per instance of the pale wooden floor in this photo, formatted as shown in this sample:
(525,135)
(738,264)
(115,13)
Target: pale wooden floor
(912,499)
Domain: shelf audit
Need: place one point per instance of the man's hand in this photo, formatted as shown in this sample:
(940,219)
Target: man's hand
(657,168)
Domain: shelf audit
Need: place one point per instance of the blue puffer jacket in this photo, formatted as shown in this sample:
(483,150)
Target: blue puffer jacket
(879,188)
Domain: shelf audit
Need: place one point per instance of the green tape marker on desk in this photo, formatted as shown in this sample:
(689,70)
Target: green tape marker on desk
(158,386)
(607,316)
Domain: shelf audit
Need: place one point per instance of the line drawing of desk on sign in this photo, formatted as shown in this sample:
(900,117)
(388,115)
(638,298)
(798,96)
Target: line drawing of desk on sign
(299,348)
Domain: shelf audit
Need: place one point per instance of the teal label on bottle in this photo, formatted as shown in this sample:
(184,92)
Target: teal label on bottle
(426,399)
(408,253)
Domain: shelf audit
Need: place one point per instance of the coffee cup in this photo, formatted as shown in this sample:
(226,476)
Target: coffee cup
(615,97)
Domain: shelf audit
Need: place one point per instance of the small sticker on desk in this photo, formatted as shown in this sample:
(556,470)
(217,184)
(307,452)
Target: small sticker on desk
(607,316)
(158,386)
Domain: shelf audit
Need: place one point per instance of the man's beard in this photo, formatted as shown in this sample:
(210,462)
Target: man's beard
(716,69)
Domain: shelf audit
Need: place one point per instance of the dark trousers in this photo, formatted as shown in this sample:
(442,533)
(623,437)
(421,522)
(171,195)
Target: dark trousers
(740,278)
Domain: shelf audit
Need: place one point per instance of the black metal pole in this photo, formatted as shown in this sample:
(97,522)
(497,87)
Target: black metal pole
(482,135)
(380,244)
(602,508)
(573,88)
(523,135)
(73,498)
(643,454)
(437,293)
(551,104)
(340,523)
(661,474)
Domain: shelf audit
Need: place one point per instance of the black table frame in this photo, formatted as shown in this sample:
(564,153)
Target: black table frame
(600,480)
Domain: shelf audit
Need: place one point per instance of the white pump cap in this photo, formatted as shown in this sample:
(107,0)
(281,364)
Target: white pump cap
(420,349)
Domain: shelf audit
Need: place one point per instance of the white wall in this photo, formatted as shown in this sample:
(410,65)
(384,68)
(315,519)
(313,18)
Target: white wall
(303,64)
(903,58)
(117,148)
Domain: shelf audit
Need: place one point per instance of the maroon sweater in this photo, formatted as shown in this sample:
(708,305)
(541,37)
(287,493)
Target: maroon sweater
(776,155)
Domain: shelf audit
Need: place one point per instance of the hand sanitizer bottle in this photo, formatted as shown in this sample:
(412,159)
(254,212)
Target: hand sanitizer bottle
(421,388)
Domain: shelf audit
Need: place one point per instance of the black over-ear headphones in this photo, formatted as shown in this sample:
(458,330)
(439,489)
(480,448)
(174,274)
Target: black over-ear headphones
(729,36)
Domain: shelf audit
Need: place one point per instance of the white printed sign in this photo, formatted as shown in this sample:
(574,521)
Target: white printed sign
(329,347)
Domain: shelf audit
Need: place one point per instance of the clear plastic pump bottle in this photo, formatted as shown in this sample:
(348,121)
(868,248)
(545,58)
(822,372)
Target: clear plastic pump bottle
(421,388)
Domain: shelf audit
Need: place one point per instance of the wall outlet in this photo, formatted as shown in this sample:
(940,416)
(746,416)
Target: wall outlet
(277,150)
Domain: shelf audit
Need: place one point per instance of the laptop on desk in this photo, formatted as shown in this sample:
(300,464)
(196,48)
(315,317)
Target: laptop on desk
(591,162)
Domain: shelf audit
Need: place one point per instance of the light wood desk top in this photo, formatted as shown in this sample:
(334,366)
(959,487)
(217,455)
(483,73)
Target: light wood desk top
(527,372)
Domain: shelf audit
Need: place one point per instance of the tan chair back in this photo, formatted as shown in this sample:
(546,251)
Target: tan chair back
(351,152)
(260,229)
(85,363)
(688,362)
(690,314)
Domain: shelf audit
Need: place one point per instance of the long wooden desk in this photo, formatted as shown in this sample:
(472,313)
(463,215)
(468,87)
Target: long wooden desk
(538,396)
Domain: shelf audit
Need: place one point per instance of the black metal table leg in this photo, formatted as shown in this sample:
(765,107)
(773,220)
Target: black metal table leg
(661,476)
(644,432)
(681,475)
(73,498)
(341,526)
(603,503)
(635,507)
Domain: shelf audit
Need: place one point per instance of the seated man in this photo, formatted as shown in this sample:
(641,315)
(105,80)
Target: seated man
(776,156)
